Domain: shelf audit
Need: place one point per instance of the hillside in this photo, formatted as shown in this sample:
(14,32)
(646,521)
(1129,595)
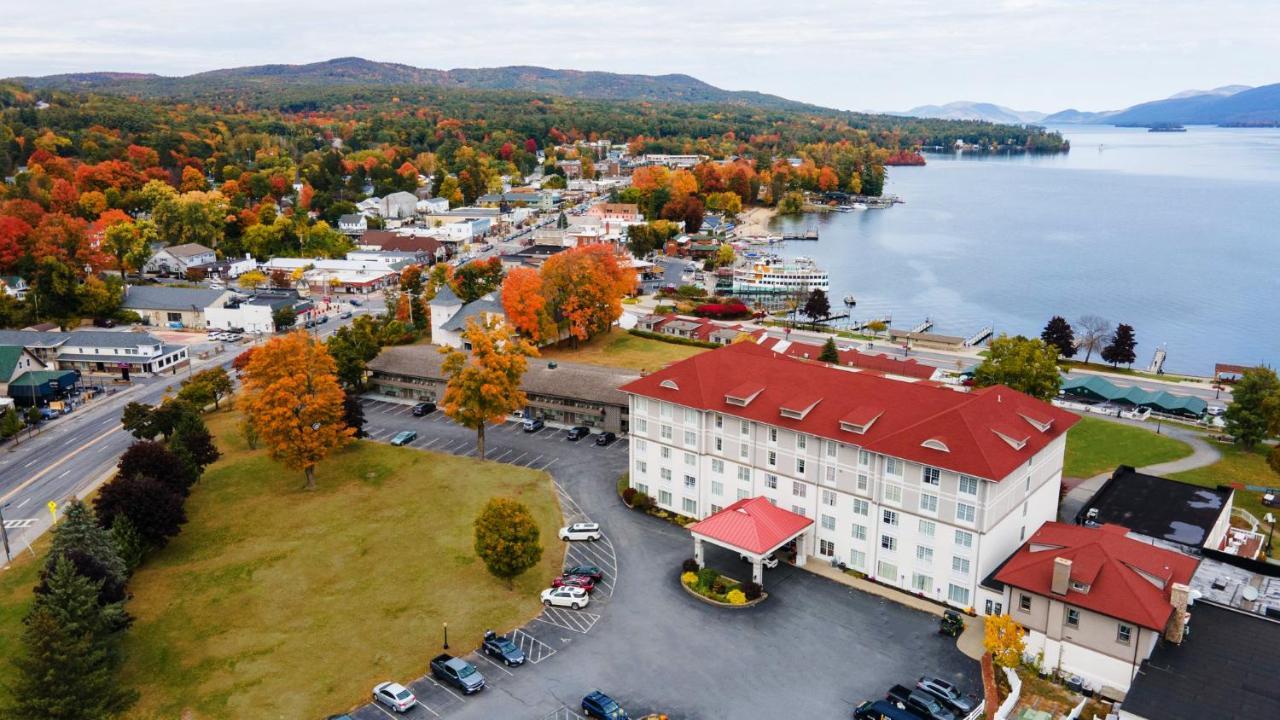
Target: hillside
(964,110)
(1257,106)
(359,71)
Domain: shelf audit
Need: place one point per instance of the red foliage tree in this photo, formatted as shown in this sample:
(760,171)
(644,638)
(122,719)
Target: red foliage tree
(13,237)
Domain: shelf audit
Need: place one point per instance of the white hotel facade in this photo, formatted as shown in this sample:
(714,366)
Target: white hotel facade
(917,486)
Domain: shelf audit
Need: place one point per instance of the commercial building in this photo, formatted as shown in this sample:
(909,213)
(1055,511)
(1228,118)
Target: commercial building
(565,394)
(177,259)
(172,307)
(920,487)
(449,315)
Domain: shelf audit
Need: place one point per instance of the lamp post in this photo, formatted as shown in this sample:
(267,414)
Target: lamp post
(4,532)
(1271,523)
(446,636)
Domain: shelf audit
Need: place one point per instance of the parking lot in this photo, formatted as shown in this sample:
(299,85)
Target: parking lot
(815,648)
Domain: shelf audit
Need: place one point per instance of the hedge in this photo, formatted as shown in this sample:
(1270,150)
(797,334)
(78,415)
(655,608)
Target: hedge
(673,339)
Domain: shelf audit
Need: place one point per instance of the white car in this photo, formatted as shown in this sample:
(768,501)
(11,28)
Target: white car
(581,531)
(566,596)
(395,696)
(770,561)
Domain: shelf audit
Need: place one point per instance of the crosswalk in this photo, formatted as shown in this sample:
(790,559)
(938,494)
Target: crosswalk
(19,524)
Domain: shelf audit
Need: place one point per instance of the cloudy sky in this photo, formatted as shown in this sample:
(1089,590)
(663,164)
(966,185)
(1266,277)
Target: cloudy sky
(860,54)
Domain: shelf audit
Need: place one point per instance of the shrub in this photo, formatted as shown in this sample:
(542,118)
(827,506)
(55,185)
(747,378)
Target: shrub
(751,590)
(641,501)
(718,586)
(154,509)
(690,566)
(663,309)
(629,495)
(731,309)
(736,597)
(707,576)
(689,579)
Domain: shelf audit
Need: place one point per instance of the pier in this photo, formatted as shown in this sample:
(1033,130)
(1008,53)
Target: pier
(978,337)
(887,320)
(923,327)
(810,234)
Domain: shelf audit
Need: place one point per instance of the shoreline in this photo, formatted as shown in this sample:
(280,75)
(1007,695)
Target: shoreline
(754,222)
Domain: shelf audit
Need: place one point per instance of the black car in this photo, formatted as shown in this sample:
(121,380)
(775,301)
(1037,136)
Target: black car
(104,323)
(424,408)
(355,303)
(323,319)
(605,438)
(501,647)
(578,433)
(590,571)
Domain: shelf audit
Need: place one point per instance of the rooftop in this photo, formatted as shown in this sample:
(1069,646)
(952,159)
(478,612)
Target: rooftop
(160,297)
(490,304)
(1157,507)
(752,524)
(187,250)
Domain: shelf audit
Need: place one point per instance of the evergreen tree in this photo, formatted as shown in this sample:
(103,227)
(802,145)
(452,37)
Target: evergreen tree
(1120,349)
(79,532)
(1058,333)
(128,543)
(192,442)
(829,352)
(353,414)
(10,423)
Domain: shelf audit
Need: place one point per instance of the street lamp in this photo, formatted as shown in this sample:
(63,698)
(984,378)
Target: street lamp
(446,636)
(1271,522)
(4,532)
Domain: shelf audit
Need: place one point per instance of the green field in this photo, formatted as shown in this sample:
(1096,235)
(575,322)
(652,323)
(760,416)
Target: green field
(275,602)
(621,349)
(1095,446)
(1238,467)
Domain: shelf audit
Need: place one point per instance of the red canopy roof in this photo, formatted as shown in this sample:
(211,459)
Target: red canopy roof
(752,524)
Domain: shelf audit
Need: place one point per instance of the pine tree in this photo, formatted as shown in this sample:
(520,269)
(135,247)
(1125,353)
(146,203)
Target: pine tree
(192,442)
(79,532)
(1058,333)
(1120,349)
(829,352)
(10,423)
(128,543)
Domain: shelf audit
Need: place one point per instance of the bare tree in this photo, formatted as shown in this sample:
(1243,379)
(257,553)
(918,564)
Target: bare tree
(1092,334)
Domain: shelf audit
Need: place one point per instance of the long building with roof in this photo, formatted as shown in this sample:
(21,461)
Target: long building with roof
(920,487)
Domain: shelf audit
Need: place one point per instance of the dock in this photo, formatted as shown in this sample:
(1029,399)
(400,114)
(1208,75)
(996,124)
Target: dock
(810,234)
(887,320)
(923,327)
(978,337)
(1157,361)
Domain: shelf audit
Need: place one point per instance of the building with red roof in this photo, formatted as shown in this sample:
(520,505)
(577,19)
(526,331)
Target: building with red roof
(752,527)
(921,487)
(1095,600)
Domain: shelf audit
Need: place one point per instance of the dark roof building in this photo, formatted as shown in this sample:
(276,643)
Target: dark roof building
(1185,516)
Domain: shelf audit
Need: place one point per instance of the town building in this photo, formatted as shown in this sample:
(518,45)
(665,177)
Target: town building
(177,259)
(16,361)
(352,277)
(449,315)
(353,224)
(433,206)
(98,352)
(622,212)
(14,286)
(399,205)
(172,307)
(255,314)
(1094,601)
(920,487)
(564,394)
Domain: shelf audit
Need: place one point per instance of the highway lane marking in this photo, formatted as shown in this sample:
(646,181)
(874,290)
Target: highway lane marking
(33,462)
(24,502)
(55,465)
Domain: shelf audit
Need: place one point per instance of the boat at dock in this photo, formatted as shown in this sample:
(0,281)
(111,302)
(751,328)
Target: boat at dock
(776,275)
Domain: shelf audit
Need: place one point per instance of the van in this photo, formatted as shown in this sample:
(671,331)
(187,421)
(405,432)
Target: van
(533,425)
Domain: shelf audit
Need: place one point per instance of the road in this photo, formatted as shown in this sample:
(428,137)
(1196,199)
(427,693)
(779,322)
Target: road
(69,456)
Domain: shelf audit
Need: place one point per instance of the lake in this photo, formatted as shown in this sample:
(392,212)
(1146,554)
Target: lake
(1176,234)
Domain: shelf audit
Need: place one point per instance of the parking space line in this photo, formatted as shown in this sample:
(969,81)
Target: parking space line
(485,658)
(446,689)
(534,461)
(517,460)
(553,462)
(505,454)
(383,710)
(433,442)
(426,707)
(490,452)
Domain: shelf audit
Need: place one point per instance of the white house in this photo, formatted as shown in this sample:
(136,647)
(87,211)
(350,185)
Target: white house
(921,487)
(449,315)
(353,224)
(399,205)
(433,206)
(177,259)
(13,285)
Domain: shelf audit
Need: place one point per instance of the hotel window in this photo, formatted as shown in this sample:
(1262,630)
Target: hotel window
(690,507)
(828,522)
(797,510)
(719,421)
(690,437)
(742,494)
(887,571)
(893,466)
(719,444)
(665,453)
(924,554)
(641,467)
(666,432)
(857,559)
(690,481)
(743,450)
(927,527)
(690,416)
(829,498)
(1027,489)
(964,512)
(964,539)
(717,488)
(797,489)
(861,507)
(715,508)
(889,517)
(665,410)
(773,434)
(826,548)
(931,476)
(831,448)
(1024,602)
(859,532)
(1123,632)
(958,595)
(690,459)
(968,485)
(664,498)
(771,482)
(921,583)
(799,466)
(801,442)
(642,488)
(665,473)
(744,473)
(889,542)
(641,406)
(892,493)
(773,458)
(746,428)
(717,466)
(641,425)
(863,482)
(639,445)
(960,565)
(864,457)
(830,475)
(928,503)
(1073,618)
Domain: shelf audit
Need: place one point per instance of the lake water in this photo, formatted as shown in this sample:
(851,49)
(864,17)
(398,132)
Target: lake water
(1177,234)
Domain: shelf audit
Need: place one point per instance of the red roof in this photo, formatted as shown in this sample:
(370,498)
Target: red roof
(752,524)
(389,241)
(912,412)
(904,367)
(1127,579)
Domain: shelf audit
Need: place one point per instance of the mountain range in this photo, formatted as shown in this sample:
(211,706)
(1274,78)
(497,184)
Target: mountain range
(359,71)
(1227,105)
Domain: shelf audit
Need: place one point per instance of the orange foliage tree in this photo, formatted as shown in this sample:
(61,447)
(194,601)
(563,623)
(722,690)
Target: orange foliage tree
(584,288)
(484,385)
(526,306)
(294,401)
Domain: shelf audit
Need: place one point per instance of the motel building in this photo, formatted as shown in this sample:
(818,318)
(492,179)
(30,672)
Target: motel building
(918,486)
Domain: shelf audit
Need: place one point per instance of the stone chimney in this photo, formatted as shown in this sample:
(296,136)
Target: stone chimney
(1061,576)
(1179,596)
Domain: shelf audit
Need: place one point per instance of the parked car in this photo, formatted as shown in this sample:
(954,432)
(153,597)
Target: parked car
(354,302)
(949,694)
(395,696)
(458,673)
(579,432)
(881,710)
(104,322)
(580,531)
(533,425)
(572,597)
(919,702)
(404,437)
(590,571)
(598,705)
(344,315)
(423,408)
(502,647)
(605,438)
(322,319)
(769,562)
(581,581)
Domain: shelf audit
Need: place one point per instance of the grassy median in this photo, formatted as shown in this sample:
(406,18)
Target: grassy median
(1096,446)
(275,602)
(621,349)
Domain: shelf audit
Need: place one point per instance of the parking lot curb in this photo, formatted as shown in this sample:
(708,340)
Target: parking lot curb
(716,603)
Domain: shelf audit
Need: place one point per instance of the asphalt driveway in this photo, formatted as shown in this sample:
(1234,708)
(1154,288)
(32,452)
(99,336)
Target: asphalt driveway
(815,648)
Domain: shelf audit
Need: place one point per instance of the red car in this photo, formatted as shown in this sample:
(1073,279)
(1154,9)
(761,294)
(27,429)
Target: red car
(581,581)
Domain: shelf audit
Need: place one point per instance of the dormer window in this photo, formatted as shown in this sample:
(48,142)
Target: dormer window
(798,407)
(1014,441)
(1042,423)
(743,394)
(669,384)
(935,444)
(1079,587)
(860,419)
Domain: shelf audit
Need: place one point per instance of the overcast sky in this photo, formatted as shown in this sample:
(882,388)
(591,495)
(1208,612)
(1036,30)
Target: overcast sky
(862,54)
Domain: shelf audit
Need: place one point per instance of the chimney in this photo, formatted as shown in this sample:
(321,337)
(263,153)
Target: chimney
(1061,576)
(1179,597)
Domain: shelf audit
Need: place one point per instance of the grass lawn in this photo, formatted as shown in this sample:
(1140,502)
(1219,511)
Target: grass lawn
(275,602)
(1238,467)
(620,348)
(16,584)
(1095,446)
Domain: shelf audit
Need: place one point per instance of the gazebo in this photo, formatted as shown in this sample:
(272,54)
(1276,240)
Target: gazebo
(753,527)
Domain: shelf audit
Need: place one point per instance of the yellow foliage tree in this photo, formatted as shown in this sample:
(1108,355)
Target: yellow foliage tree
(294,401)
(484,385)
(1005,639)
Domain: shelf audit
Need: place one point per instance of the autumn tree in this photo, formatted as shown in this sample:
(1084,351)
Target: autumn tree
(214,384)
(477,278)
(507,538)
(525,304)
(294,401)
(1058,334)
(1024,364)
(1005,639)
(147,458)
(584,288)
(252,280)
(484,385)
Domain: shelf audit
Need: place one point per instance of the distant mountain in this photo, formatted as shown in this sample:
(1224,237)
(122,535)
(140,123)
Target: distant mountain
(1078,117)
(359,71)
(1224,91)
(1256,106)
(965,110)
